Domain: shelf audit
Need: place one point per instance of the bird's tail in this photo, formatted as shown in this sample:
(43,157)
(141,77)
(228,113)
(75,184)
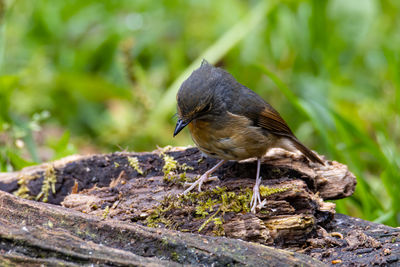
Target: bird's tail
(307,152)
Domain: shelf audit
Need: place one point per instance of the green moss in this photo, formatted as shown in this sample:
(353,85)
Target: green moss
(174,256)
(106,212)
(218,227)
(134,163)
(49,182)
(184,167)
(164,241)
(159,216)
(209,206)
(157,219)
(267,191)
(171,170)
(222,201)
(203,208)
(209,220)
(23,189)
(216,202)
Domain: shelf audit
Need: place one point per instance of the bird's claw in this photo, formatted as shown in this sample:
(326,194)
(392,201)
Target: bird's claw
(253,203)
(256,198)
(199,182)
(262,204)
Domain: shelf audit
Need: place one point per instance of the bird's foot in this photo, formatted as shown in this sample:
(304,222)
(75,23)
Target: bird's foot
(199,182)
(254,202)
(256,198)
(262,204)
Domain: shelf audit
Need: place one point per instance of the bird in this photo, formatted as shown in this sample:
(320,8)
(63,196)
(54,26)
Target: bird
(228,121)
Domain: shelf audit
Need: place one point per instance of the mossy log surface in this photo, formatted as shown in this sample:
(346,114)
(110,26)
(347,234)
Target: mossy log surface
(110,200)
(33,233)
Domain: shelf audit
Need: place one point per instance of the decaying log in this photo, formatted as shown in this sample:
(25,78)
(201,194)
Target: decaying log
(143,189)
(36,234)
(33,233)
(355,242)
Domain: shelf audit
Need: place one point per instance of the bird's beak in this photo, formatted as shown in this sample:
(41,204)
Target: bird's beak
(180,124)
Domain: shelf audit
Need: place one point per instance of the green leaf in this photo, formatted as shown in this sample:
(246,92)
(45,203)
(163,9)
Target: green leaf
(17,161)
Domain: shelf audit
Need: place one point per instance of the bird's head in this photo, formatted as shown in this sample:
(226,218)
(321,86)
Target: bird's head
(197,97)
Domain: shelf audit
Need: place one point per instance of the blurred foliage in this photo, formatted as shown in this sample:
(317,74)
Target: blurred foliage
(102,76)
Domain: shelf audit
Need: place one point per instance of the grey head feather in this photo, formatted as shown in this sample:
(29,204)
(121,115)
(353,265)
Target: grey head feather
(206,85)
(204,62)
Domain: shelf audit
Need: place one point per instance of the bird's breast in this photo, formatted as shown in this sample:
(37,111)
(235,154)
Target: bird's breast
(230,137)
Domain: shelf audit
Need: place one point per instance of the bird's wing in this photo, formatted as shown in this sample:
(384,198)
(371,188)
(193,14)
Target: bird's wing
(260,113)
(269,119)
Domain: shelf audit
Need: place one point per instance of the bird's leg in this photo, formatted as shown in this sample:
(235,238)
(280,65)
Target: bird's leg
(256,189)
(204,177)
(203,156)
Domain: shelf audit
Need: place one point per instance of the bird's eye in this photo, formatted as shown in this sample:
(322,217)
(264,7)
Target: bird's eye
(206,108)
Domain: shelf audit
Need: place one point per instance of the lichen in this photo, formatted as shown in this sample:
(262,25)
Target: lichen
(134,163)
(49,182)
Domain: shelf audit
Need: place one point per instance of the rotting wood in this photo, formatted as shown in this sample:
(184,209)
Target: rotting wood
(354,242)
(143,188)
(128,187)
(33,233)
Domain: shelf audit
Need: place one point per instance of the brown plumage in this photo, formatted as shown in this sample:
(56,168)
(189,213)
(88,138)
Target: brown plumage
(230,122)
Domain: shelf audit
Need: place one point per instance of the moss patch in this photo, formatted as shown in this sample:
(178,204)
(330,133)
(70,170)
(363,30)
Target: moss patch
(23,189)
(106,212)
(267,191)
(198,211)
(49,182)
(171,169)
(134,163)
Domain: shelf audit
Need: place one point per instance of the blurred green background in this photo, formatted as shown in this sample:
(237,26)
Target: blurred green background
(101,76)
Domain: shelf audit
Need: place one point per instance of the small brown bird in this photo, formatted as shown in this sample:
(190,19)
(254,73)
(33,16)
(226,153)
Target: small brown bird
(228,121)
